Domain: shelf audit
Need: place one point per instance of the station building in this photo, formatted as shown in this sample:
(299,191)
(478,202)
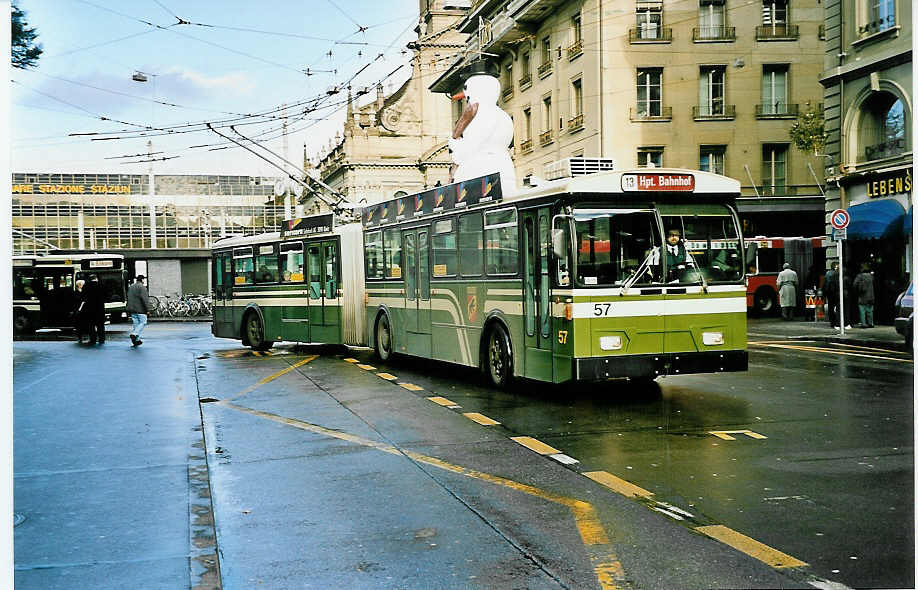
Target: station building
(869,113)
(164,229)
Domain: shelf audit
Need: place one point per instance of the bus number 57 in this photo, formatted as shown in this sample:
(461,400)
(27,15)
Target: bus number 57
(601,309)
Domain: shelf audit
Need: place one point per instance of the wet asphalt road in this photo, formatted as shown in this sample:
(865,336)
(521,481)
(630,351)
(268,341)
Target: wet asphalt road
(324,474)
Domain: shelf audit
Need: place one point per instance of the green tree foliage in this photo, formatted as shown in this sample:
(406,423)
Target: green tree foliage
(808,133)
(25,50)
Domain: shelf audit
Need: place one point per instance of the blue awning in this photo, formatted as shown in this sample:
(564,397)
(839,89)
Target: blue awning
(876,220)
(907,222)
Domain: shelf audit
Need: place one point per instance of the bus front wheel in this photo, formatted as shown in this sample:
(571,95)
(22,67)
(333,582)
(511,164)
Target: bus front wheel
(255,332)
(382,344)
(499,358)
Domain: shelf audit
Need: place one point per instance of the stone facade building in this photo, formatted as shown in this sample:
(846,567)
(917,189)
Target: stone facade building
(702,84)
(868,124)
(398,142)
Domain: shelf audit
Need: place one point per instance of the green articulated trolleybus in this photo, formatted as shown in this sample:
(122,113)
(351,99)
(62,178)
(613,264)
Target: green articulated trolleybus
(569,280)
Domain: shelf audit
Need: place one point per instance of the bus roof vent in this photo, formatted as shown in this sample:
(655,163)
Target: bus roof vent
(580,166)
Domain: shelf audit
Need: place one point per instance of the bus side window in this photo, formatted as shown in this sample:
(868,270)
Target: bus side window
(392,253)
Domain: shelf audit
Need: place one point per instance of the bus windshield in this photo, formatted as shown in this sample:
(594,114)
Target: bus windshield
(711,244)
(613,243)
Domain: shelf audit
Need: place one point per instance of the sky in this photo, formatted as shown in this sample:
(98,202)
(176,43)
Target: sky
(227,62)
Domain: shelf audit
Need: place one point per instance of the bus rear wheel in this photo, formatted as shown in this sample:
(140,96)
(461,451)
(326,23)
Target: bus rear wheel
(765,302)
(255,333)
(382,344)
(499,358)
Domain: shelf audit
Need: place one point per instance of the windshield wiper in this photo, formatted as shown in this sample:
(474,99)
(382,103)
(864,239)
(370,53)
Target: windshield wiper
(639,272)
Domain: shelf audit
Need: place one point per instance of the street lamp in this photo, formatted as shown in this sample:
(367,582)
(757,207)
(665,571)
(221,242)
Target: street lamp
(142,77)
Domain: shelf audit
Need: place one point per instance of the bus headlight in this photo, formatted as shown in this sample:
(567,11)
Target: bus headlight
(712,338)
(610,342)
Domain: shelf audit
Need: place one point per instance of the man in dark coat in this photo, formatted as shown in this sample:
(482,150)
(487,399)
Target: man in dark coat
(94,309)
(830,293)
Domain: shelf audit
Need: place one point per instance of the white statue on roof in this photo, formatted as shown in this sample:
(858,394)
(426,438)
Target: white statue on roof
(482,136)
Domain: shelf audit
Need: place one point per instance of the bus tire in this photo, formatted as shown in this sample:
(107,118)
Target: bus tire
(498,357)
(765,302)
(21,322)
(255,332)
(382,338)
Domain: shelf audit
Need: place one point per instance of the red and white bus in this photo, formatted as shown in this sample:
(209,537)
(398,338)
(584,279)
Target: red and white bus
(807,256)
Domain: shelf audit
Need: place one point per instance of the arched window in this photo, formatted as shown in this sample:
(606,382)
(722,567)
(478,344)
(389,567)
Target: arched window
(882,127)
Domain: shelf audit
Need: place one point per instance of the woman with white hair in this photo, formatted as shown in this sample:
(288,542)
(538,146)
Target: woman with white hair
(78,316)
(787,292)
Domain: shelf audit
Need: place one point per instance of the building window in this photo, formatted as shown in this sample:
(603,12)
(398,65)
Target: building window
(774,89)
(711,158)
(650,157)
(576,47)
(525,70)
(711,20)
(576,121)
(545,64)
(650,92)
(507,80)
(526,144)
(774,168)
(711,91)
(774,12)
(775,25)
(649,22)
(546,136)
(882,16)
(882,127)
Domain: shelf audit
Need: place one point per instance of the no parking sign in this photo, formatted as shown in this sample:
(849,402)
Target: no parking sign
(840,218)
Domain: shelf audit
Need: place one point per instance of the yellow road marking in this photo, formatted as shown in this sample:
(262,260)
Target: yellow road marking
(351,361)
(480,418)
(411,387)
(830,351)
(367,367)
(625,488)
(606,566)
(270,378)
(443,401)
(535,445)
(386,376)
(725,434)
(751,547)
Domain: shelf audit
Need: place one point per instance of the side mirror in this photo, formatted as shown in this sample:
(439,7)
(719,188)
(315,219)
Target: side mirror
(751,249)
(559,242)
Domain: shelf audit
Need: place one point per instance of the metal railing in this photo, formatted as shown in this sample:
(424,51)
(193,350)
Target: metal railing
(777,110)
(575,49)
(714,112)
(650,34)
(717,33)
(777,31)
(525,81)
(645,114)
(545,69)
(546,137)
(526,146)
(575,123)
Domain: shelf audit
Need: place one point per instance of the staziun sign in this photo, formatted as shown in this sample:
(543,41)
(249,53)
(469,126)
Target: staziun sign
(73,189)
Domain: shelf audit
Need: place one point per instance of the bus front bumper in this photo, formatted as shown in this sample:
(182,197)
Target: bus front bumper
(657,365)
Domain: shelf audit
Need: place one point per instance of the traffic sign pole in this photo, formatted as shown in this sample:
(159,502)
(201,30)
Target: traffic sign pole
(840,218)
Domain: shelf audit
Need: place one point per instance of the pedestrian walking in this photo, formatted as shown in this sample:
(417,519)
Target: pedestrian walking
(79,317)
(787,291)
(94,309)
(830,293)
(863,287)
(138,305)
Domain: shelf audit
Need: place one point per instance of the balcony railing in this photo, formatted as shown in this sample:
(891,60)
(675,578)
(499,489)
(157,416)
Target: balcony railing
(777,32)
(714,112)
(526,146)
(507,94)
(575,123)
(545,69)
(525,81)
(887,149)
(654,114)
(714,34)
(575,50)
(778,110)
(651,35)
(546,137)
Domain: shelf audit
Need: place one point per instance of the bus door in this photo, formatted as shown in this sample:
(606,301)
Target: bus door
(417,290)
(223,294)
(295,311)
(537,363)
(322,286)
(57,296)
